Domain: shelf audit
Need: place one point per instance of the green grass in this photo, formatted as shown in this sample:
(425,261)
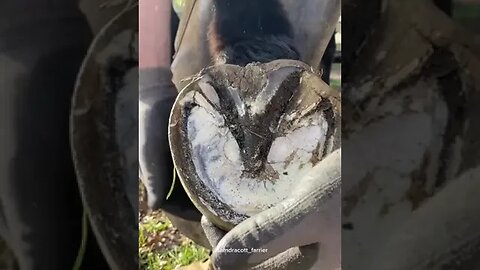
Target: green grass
(178,256)
(169,258)
(463,10)
(154,225)
(337,84)
(467,14)
(336,76)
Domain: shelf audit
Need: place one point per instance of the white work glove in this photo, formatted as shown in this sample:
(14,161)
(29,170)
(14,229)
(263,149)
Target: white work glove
(441,234)
(301,232)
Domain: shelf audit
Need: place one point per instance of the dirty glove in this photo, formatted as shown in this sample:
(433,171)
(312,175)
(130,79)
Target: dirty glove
(301,232)
(157,95)
(452,221)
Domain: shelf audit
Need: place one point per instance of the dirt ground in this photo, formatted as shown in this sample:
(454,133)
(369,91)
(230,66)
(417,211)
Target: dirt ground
(162,246)
(163,236)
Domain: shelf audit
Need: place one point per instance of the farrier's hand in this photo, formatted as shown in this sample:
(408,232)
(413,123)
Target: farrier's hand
(302,232)
(156,97)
